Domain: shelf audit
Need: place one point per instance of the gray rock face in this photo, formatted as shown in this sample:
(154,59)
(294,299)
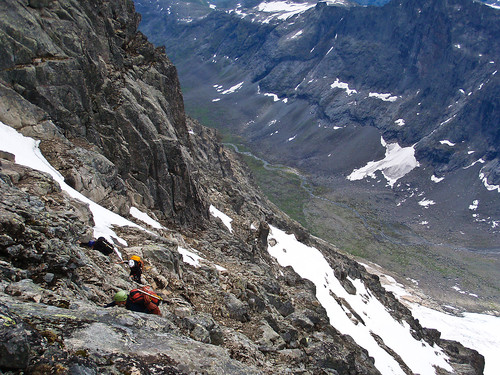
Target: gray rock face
(14,345)
(103,85)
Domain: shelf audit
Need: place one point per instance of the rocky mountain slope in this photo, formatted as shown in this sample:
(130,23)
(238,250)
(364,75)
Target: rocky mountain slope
(390,111)
(106,111)
(318,89)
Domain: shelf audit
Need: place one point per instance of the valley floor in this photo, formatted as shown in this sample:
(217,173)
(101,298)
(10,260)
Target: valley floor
(359,223)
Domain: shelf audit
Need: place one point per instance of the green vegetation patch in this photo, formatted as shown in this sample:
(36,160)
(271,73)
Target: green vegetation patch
(282,187)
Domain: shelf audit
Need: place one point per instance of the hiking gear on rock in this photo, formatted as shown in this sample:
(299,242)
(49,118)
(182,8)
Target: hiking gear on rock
(131,263)
(144,300)
(120,296)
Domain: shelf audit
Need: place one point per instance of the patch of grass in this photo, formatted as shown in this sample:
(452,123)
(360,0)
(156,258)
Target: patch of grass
(282,187)
(205,116)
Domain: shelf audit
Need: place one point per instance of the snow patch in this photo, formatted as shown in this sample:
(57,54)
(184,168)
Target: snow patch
(189,257)
(384,97)
(282,9)
(144,217)
(398,162)
(436,179)
(28,154)
(446,142)
(337,2)
(233,89)
(484,180)
(310,264)
(474,205)
(274,96)
(343,86)
(426,203)
(477,331)
(225,219)
(400,122)
(474,163)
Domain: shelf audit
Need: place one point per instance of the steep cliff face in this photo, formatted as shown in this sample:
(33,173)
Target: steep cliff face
(107,110)
(109,91)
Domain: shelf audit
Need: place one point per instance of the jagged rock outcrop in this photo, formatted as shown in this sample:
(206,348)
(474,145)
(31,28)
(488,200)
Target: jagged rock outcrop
(107,109)
(111,92)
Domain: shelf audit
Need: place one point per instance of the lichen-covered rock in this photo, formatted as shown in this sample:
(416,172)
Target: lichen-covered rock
(14,343)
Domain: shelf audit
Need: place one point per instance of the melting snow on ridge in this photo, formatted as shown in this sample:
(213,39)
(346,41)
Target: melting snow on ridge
(309,263)
(225,219)
(343,86)
(28,154)
(397,163)
(337,2)
(142,216)
(384,97)
(232,89)
(477,331)
(283,9)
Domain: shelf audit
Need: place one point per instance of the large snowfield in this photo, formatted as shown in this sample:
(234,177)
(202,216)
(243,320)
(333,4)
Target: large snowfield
(478,331)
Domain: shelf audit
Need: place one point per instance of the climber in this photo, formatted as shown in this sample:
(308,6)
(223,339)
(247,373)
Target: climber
(119,299)
(143,300)
(101,244)
(135,264)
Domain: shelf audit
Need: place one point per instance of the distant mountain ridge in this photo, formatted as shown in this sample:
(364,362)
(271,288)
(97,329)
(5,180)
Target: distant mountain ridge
(420,74)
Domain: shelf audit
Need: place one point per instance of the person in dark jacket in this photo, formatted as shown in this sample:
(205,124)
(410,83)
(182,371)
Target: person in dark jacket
(101,244)
(135,264)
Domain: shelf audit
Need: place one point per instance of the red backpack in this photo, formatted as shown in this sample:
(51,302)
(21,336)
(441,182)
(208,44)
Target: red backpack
(137,295)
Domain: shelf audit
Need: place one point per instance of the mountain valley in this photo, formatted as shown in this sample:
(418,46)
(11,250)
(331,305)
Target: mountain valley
(95,142)
(393,121)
